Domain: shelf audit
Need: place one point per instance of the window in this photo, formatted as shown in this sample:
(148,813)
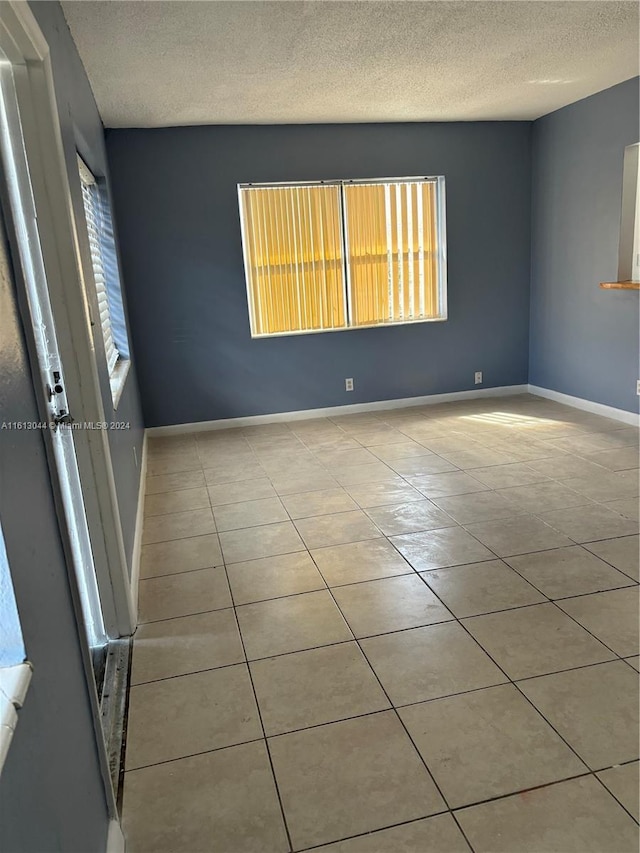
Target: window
(629,251)
(343,254)
(15,672)
(105,270)
(11,642)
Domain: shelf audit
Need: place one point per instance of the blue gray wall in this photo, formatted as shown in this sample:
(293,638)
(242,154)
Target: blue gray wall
(82,131)
(52,798)
(584,340)
(176,207)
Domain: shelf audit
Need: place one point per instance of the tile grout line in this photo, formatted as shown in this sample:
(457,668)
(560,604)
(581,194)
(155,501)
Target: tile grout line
(554,601)
(417,571)
(260,739)
(413,569)
(395,709)
(264,733)
(512,682)
(404,728)
(389,539)
(509,680)
(403,477)
(397,716)
(422,573)
(521,692)
(528,700)
(345,642)
(616,798)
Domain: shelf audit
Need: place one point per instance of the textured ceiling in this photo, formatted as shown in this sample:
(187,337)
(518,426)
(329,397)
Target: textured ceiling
(165,63)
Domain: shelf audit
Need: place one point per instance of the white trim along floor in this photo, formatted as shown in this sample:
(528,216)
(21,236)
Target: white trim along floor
(630,418)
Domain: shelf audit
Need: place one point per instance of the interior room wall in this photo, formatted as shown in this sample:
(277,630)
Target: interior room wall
(583,340)
(176,206)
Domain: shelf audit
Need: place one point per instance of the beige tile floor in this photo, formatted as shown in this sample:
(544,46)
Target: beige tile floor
(415,630)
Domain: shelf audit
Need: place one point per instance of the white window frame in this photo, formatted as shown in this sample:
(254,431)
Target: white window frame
(441,230)
(629,248)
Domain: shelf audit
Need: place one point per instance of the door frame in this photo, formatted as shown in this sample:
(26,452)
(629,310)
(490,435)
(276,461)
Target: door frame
(28,51)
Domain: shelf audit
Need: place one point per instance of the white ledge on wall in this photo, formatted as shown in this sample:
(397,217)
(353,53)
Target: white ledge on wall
(14,682)
(117,380)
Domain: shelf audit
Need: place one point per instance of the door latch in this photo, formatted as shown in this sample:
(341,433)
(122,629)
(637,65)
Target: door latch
(57,385)
(63,418)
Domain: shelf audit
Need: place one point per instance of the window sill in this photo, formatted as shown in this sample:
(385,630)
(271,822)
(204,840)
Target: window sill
(439,319)
(118,378)
(14,683)
(620,285)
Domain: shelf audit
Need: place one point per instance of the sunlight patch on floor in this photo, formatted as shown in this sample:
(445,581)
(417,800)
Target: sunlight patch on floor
(513,420)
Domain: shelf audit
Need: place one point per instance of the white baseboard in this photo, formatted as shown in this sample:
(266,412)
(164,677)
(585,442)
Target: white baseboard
(137,539)
(630,418)
(115,838)
(377,406)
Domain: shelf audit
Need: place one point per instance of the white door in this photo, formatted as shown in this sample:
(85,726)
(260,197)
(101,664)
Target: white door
(56,418)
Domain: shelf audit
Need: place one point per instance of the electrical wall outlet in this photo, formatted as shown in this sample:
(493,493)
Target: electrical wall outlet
(478,377)
(348,384)
(638,387)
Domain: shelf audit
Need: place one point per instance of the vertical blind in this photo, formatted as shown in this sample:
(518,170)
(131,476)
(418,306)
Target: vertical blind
(92,212)
(343,254)
(293,257)
(105,271)
(393,252)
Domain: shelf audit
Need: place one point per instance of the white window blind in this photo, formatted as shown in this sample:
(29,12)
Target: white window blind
(95,229)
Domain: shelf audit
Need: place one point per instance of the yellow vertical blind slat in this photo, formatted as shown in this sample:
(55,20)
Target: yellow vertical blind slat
(334,257)
(431,248)
(294,259)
